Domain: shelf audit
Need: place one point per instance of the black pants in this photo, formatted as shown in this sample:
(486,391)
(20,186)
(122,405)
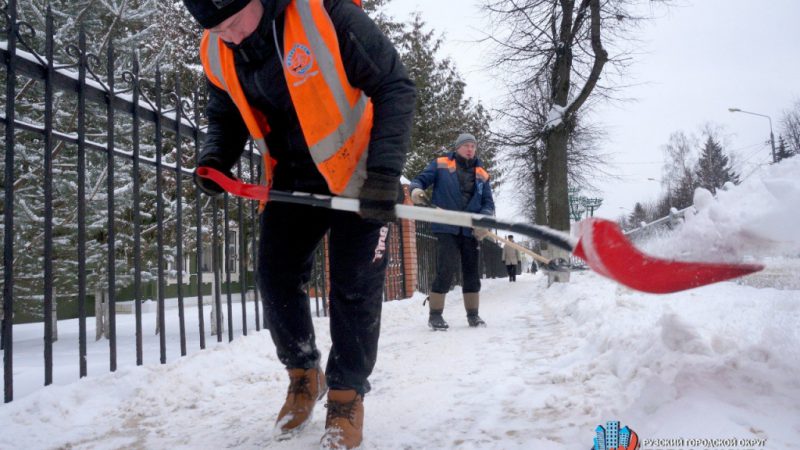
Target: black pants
(289,235)
(449,247)
(512,272)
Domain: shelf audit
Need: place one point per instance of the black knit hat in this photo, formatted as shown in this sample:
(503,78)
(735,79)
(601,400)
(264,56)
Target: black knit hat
(211,13)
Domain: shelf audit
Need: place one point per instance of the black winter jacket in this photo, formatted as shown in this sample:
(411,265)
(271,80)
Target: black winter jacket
(371,64)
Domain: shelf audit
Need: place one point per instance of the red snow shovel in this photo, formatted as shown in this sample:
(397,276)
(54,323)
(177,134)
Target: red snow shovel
(600,242)
(606,250)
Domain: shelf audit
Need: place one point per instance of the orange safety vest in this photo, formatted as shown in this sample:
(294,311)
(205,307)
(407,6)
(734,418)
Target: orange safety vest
(444,162)
(336,118)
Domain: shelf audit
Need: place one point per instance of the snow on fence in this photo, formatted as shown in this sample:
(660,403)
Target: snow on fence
(668,222)
(99,208)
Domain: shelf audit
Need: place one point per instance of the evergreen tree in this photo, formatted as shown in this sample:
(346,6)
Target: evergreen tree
(374,8)
(683,192)
(637,216)
(130,25)
(443,110)
(713,168)
(783,151)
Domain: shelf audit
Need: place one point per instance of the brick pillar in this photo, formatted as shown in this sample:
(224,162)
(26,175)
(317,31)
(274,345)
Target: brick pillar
(409,249)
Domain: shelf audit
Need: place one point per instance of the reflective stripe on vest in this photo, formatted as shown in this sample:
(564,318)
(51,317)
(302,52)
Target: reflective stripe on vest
(443,162)
(335,117)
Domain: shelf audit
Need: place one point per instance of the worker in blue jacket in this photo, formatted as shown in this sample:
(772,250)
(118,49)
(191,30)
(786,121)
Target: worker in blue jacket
(460,183)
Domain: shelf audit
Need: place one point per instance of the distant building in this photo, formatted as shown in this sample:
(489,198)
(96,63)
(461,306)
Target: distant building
(624,437)
(612,435)
(600,440)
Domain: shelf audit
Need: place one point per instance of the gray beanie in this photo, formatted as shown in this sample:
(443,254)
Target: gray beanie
(463,138)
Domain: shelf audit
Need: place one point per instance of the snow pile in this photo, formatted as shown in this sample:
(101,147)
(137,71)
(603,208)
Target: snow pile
(755,219)
(718,362)
(715,362)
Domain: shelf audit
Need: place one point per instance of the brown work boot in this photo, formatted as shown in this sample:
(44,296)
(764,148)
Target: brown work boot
(306,386)
(344,424)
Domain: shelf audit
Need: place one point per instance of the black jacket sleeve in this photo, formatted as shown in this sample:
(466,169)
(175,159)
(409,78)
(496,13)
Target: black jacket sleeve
(227,133)
(373,65)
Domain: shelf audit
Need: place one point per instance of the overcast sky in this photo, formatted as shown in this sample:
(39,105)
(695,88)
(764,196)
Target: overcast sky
(700,58)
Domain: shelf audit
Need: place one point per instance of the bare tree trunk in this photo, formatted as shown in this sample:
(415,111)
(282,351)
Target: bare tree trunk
(558,197)
(540,200)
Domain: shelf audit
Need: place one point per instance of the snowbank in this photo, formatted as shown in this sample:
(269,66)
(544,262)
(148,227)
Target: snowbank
(755,219)
(715,362)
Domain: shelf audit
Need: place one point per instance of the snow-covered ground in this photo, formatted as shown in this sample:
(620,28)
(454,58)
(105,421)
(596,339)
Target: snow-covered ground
(718,362)
(715,362)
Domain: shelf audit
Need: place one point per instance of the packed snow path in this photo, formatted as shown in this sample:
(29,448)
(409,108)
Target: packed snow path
(715,362)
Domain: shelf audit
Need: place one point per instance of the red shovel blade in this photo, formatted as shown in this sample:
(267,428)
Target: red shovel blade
(608,252)
(234,186)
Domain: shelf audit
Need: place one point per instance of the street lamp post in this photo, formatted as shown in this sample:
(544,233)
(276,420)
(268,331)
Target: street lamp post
(771,134)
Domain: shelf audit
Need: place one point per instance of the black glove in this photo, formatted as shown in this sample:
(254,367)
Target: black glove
(209,187)
(379,195)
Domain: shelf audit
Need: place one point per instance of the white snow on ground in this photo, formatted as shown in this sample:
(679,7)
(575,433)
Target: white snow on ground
(715,362)
(757,218)
(718,362)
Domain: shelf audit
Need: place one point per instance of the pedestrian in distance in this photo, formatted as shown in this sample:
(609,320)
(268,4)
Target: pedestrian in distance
(459,183)
(511,260)
(325,98)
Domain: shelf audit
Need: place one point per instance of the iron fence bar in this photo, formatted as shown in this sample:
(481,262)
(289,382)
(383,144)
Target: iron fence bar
(48,202)
(253,249)
(8,216)
(242,268)
(112,283)
(226,265)
(137,219)
(199,223)
(324,279)
(215,267)
(66,81)
(88,145)
(179,214)
(162,331)
(82,205)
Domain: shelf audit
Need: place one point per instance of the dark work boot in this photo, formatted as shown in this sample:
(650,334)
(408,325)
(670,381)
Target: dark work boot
(474,319)
(436,321)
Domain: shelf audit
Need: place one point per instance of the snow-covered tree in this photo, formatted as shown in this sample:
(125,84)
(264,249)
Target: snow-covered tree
(790,128)
(130,26)
(783,150)
(713,168)
(443,110)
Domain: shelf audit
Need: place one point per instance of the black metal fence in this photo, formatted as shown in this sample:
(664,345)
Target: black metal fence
(98,199)
(99,207)
(491,259)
